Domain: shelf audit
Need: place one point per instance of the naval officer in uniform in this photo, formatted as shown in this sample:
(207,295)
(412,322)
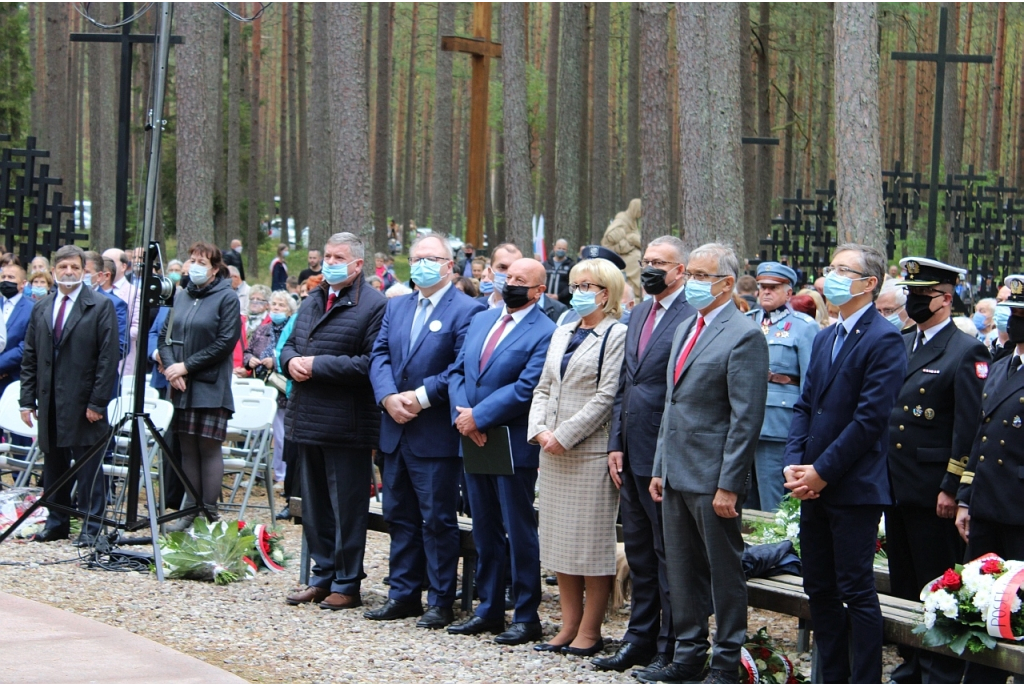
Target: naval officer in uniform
(790,335)
(990,516)
(931,429)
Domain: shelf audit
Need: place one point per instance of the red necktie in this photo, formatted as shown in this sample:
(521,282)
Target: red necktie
(688,348)
(645,334)
(492,342)
(58,326)
(331,299)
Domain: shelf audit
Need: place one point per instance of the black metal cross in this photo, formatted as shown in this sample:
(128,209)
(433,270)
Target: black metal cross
(941,58)
(126,38)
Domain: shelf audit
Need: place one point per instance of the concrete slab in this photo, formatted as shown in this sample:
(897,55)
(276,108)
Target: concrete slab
(43,644)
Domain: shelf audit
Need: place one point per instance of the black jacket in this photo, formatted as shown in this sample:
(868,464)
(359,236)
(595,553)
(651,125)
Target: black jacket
(551,307)
(558,278)
(335,407)
(232,258)
(204,325)
(81,374)
(935,418)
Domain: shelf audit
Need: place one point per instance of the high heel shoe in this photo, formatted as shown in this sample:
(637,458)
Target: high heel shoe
(549,647)
(585,651)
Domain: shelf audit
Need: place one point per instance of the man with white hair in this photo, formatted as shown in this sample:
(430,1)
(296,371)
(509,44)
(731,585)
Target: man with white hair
(892,304)
(240,287)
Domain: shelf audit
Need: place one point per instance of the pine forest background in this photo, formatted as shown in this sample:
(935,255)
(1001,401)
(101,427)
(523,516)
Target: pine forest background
(274,104)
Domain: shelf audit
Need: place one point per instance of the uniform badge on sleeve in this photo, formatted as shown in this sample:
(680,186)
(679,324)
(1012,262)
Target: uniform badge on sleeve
(981,370)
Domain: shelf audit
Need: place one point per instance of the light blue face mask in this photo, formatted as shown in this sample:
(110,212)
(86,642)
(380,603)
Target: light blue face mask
(583,303)
(895,320)
(499,281)
(837,289)
(87,280)
(278,317)
(198,274)
(426,273)
(335,273)
(486,287)
(698,293)
(978,320)
(39,292)
(1002,317)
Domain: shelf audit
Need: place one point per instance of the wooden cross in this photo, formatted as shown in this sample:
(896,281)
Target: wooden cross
(481,47)
(126,38)
(941,58)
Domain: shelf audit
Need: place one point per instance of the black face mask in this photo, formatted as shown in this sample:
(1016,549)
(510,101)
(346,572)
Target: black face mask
(8,289)
(1015,329)
(515,296)
(919,307)
(653,280)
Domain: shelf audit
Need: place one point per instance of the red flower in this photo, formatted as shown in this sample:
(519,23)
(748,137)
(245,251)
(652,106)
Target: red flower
(878,546)
(992,566)
(951,580)
(241,526)
(936,586)
(765,653)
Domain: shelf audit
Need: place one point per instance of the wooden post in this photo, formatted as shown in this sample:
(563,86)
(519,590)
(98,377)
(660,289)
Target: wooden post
(480,48)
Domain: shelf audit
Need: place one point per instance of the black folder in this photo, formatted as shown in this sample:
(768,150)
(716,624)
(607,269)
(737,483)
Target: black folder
(494,458)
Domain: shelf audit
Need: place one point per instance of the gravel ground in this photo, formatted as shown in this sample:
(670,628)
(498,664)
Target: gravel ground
(247,629)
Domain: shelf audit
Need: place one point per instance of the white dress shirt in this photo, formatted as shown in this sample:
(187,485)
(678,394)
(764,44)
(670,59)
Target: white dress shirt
(708,318)
(10,304)
(72,298)
(931,333)
(665,303)
(516,318)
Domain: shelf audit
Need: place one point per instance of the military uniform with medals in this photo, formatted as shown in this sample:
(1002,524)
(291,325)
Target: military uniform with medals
(790,336)
(992,485)
(931,429)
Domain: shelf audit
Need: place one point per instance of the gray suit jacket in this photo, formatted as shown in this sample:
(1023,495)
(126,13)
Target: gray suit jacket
(712,416)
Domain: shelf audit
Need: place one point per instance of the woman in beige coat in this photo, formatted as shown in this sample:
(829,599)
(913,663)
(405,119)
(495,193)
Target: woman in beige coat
(569,418)
(623,236)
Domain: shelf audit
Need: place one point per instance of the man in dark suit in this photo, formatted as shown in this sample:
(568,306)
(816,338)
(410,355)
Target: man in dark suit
(98,272)
(233,257)
(419,340)
(551,307)
(990,517)
(502,257)
(836,463)
(17,309)
(491,386)
(68,372)
(717,382)
(632,440)
(931,429)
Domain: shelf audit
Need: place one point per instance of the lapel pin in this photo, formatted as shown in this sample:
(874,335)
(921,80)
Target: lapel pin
(435,325)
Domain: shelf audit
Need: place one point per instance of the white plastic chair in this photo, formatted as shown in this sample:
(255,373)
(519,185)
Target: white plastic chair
(160,412)
(15,457)
(246,382)
(253,423)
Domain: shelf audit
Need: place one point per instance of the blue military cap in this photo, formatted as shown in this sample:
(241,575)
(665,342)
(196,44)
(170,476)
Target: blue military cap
(775,272)
(923,272)
(599,252)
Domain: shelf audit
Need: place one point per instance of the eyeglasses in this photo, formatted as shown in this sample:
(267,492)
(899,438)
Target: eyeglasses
(656,263)
(889,311)
(436,260)
(252,301)
(586,287)
(842,271)
(702,277)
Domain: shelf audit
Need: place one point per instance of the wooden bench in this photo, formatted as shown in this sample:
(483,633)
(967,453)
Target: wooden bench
(785,595)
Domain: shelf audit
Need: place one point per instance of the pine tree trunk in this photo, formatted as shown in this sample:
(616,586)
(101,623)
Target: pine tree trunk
(518,207)
(569,124)
(284,157)
(368,52)
(748,113)
(319,134)
(952,124)
(765,153)
(104,79)
(655,137)
(858,160)
(548,176)
(900,153)
(996,140)
(442,188)
(53,135)
(599,167)
(302,124)
(710,116)
(582,226)
(234,185)
(293,126)
(35,28)
(220,176)
(350,134)
(924,82)
(382,132)
(633,173)
(409,161)
(790,127)
(197,95)
(423,217)
(253,222)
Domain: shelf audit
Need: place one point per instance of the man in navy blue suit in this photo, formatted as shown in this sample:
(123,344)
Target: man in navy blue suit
(99,271)
(492,385)
(836,463)
(419,340)
(632,441)
(17,310)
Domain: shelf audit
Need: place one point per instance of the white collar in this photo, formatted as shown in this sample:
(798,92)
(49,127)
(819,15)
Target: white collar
(848,324)
(934,330)
(436,297)
(516,316)
(713,314)
(667,301)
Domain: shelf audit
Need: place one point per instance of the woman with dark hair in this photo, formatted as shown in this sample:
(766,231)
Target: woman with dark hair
(196,347)
(279,268)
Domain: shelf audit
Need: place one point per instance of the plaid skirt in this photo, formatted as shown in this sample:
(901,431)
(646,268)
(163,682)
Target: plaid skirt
(211,423)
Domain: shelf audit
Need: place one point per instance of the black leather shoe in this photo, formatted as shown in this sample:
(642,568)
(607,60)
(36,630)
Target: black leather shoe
(85,540)
(51,534)
(520,634)
(659,662)
(551,580)
(673,673)
(477,625)
(436,618)
(629,654)
(549,647)
(284,514)
(718,675)
(585,651)
(392,610)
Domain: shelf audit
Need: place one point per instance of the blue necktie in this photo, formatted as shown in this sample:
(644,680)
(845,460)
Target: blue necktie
(840,339)
(417,322)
